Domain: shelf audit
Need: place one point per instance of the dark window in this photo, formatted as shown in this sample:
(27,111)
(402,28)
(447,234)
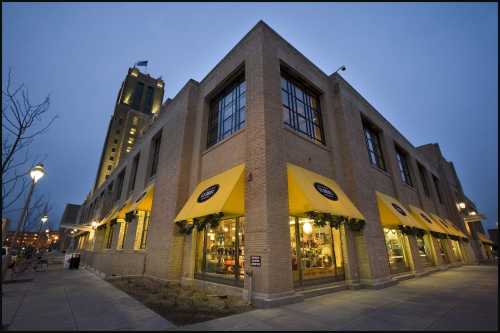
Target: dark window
(109,235)
(145,228)
(438,191)
(301,109)
(115,141)
(139,89)
(110,188)
(113,150)
(111,158)
(109,167)
(117,131)
(133,175)
(227,112)
(404,169)
(124,236)
(120,121)
(422,172)
(148,104)
(372,139)
(119,185)
(156,154)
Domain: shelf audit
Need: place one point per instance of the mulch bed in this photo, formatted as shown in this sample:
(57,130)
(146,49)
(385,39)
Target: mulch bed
(181,305)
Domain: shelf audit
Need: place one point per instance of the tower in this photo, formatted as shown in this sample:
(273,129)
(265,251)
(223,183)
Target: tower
(138,100)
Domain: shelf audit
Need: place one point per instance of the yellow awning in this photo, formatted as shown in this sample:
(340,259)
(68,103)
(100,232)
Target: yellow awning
(143,201)
(392,213)
(447,228)
(309,191)
(425,220)
(484,239)
(456,229)
(224,193)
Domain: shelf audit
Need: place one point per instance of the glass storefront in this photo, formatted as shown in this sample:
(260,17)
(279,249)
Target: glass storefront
(455,247)
(424,250)
(442,251)
(220,252)
(395,243)
(316,252)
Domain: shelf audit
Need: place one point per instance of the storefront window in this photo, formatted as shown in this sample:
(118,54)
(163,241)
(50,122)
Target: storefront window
(424,250)
(220,252)
(394,241)
(456,250)
(442,251)
(317,249)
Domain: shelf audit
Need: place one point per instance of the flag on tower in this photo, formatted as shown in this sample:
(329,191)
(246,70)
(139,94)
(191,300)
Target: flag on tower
(142,63)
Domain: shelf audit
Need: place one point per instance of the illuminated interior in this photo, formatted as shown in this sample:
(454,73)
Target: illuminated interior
(395,243)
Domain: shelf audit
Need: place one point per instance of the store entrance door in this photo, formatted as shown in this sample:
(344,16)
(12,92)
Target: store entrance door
(316,253)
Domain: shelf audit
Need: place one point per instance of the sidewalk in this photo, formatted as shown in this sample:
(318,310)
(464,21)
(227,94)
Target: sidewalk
(73,300)
(464,298)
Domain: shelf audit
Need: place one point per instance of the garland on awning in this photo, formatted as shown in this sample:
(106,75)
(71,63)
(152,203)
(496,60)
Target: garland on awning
(438,235)
(454,237)
(334,221)
(129,217)
(465,239)
(200,223)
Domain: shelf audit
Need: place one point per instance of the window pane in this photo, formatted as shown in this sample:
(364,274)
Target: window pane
(302,124)
(285,98)
(243,100)
(243,87)
(300,109)
(286,116)
(283,84)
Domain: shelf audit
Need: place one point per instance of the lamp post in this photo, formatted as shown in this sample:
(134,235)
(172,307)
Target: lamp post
(36,174)
(43,220)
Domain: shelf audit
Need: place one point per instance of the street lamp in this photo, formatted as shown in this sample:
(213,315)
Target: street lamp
(36,173)
(43,220)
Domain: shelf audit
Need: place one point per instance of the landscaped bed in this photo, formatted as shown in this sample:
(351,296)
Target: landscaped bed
(181,305)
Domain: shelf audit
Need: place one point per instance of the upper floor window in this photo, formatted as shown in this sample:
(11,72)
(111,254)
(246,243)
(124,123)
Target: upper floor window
(133,174)
(421,171)
(372,138)
(148,103)
(119,185)
(438,191)
(404,169)
(301,109)
(155,151)
(136,102)
(227,112)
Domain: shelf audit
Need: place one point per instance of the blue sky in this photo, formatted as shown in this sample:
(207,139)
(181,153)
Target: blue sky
(430,69)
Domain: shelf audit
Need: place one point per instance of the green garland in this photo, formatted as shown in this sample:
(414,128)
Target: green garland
(465,239)
(438,235)
(334,221)
(407,230)
(419,232)
(129,217)
(200,223)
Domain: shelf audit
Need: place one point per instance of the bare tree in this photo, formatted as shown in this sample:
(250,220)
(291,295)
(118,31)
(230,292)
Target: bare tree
(22,122)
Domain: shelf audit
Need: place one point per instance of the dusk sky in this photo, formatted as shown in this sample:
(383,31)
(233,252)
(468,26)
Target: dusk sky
(430,69)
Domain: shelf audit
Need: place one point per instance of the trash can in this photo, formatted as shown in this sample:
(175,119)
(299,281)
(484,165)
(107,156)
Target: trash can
(76,261)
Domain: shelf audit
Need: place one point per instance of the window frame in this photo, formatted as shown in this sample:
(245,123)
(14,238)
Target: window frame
(403,166)
(310,116)
(155,154)
(423,179)
(435,180)
(133,175)
(229,98)
(371,135)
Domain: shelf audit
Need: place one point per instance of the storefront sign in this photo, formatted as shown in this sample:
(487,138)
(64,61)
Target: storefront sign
(426,218)
(326,191)
(208,193)
(255,261)
(399,209)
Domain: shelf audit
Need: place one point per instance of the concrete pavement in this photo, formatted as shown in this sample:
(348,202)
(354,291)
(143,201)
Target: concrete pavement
(73,300)
(462,298)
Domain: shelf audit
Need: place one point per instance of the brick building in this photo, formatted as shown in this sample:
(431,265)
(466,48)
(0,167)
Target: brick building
(271,175)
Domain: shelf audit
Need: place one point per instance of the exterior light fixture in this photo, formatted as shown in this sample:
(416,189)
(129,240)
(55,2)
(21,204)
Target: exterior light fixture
(461,205)
(472,213)
(341,68)
(37,172)
(44,219)
(47,230)
(94,224)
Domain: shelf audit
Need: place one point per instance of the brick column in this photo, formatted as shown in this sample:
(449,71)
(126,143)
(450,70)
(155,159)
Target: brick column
(267,232)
